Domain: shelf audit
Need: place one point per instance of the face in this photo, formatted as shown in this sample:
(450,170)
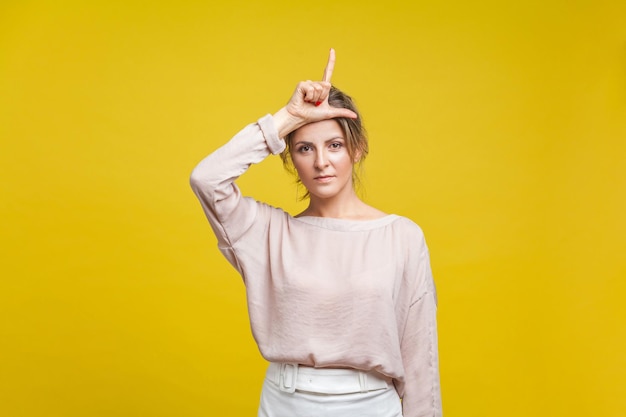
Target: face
(320,155)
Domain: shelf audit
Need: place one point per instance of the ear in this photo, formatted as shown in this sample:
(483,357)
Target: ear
(357,157)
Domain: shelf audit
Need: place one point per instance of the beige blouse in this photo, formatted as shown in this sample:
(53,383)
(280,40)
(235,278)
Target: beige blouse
(326,292)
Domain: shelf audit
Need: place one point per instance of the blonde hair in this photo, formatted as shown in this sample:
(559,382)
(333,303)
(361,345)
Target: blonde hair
(354,133)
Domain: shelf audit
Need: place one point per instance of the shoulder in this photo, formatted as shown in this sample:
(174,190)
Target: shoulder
(410,233)
(269,212)
(408,226)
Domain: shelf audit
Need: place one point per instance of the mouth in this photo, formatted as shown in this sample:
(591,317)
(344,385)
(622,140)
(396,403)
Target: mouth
(324,178)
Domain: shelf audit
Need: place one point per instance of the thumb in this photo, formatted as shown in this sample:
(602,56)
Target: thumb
(334,112)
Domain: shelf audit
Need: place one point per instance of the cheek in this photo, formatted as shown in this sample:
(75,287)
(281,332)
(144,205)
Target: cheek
(299,163)
(341,161)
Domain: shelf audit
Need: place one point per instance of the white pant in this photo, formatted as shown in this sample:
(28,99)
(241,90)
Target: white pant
(295,391)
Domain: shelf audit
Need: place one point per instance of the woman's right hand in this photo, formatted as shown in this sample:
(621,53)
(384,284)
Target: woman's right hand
(309,103)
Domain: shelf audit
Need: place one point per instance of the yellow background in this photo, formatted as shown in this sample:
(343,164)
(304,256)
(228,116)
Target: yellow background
(499,127)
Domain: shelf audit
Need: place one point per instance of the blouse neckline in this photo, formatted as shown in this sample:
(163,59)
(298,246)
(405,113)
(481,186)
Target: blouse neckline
(346,224)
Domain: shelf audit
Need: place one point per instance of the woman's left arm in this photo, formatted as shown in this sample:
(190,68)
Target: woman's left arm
(422,392)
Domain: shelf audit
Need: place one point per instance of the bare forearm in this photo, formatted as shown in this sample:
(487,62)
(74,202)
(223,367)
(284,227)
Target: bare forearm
(286,123)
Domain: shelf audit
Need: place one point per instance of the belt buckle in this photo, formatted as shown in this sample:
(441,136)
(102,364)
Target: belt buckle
(287,377)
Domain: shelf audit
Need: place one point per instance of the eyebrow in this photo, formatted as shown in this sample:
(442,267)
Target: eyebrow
(304,142)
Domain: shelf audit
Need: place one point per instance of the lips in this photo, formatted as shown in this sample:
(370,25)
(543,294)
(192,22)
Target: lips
(324,178)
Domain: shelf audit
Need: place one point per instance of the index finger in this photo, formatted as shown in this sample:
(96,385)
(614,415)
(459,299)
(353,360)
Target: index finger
(330,66)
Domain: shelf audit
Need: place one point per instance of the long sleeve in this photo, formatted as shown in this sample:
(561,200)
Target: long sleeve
(422,393)
(212,180)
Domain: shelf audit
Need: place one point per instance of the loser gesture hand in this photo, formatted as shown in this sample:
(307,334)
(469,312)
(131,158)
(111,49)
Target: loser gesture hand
(309,103)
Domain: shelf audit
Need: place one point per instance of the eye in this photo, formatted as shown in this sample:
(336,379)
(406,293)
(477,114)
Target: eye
(304,148)
(336,146)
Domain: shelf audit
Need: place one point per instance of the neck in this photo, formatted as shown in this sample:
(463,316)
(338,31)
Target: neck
(347,206)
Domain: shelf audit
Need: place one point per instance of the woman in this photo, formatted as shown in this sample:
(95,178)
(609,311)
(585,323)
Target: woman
(340,297)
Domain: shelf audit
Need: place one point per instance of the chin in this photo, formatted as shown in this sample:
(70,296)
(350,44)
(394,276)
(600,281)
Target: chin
(324,194)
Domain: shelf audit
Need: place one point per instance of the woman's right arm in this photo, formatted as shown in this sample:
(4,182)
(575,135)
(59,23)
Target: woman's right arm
(213,179)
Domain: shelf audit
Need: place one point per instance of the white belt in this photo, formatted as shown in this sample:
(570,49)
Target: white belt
(290,377)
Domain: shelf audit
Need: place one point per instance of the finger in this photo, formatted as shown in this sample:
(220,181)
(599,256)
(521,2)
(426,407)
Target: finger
(308,91)
(314,92)
(341,112)
(319,92)
(324,92)
(330,66)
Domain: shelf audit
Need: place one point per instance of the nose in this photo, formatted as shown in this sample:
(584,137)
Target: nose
(321,159)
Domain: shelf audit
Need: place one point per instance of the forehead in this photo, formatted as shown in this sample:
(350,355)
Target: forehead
(318,131)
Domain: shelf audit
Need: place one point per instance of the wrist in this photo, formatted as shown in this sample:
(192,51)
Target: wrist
(285,122)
